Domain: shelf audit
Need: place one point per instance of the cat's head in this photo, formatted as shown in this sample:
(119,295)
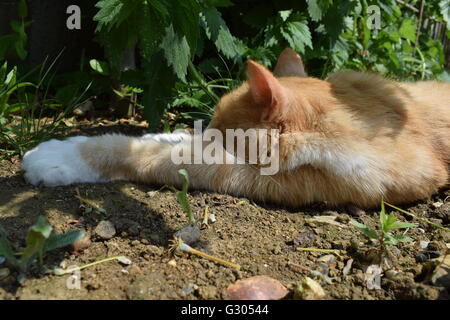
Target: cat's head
(285,99)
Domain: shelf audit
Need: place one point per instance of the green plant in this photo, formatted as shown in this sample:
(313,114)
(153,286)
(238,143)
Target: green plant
(384,236)
(8,86)
(14,43)
(22,123)
(39,241)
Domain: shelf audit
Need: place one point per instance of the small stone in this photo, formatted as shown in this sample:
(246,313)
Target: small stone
(391,274)
(303,239)
(256,288)
(423,244)
(437,204)
(309,289)
(151,194)
(2,259)
(212,218)
(189,234)
(188,289)
(343,218)
(124,260)
(347,268)
(328,259)
(135,243)
(441,275)
(172,263)
(105,230)
(81,244)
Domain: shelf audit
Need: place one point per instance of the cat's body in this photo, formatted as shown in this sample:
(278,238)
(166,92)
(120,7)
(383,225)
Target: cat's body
(353,138)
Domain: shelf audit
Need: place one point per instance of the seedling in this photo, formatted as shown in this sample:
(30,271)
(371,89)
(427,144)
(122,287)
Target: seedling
(384,236)
(39,241)
(178,246)
(182,196)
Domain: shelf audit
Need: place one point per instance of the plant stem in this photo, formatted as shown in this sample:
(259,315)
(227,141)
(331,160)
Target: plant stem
(418,218)
(179,245)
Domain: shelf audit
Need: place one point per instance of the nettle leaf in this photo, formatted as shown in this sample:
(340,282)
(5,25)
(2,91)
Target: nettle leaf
(176,51)
(151,29)
(185,20)
(364,229)
(297,34)
(159,81)
(444,7)
(217,31)
(408,29)
(317,8)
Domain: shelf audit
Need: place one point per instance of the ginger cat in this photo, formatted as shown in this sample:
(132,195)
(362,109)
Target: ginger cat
(350,139)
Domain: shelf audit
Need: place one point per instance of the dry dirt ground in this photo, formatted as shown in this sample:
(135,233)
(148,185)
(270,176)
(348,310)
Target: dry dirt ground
(264,240)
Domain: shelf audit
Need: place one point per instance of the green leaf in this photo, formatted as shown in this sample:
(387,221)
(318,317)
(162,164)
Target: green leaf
(182,196)
(284,14)
(185,21)
(37,235)
(11,77)
(62,240)
(297,34)
(315,10)
(395,239)
(400,225)
(101,67)
(364,229)
(159,82)
(217,31)
(176,51)
(5,248)
(408,29)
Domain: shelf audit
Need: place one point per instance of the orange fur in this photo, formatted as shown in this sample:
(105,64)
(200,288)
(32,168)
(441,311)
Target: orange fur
(352,138)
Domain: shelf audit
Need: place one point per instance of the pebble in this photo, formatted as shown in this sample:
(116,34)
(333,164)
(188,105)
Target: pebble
(105,230)
(441,275)
(189,234)
(188,289)
(309,289)
(328,259)
(423,244)
(2,259)
(81,244)
(426,256)
(172,263)
(124,260)
(303,239)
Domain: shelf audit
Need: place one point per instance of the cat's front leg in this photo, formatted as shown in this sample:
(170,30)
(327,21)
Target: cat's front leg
(56,163)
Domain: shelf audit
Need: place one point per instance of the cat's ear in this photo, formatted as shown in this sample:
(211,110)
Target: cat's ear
(289,64)
(266,90)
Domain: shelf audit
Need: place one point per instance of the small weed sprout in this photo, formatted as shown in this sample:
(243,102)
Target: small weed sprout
(385,237)
(39,241)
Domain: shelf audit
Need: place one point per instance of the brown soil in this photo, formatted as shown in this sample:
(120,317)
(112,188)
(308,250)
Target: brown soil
(264,240)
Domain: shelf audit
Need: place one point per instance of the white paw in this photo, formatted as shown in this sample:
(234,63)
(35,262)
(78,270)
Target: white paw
(168,138)
(56,163)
